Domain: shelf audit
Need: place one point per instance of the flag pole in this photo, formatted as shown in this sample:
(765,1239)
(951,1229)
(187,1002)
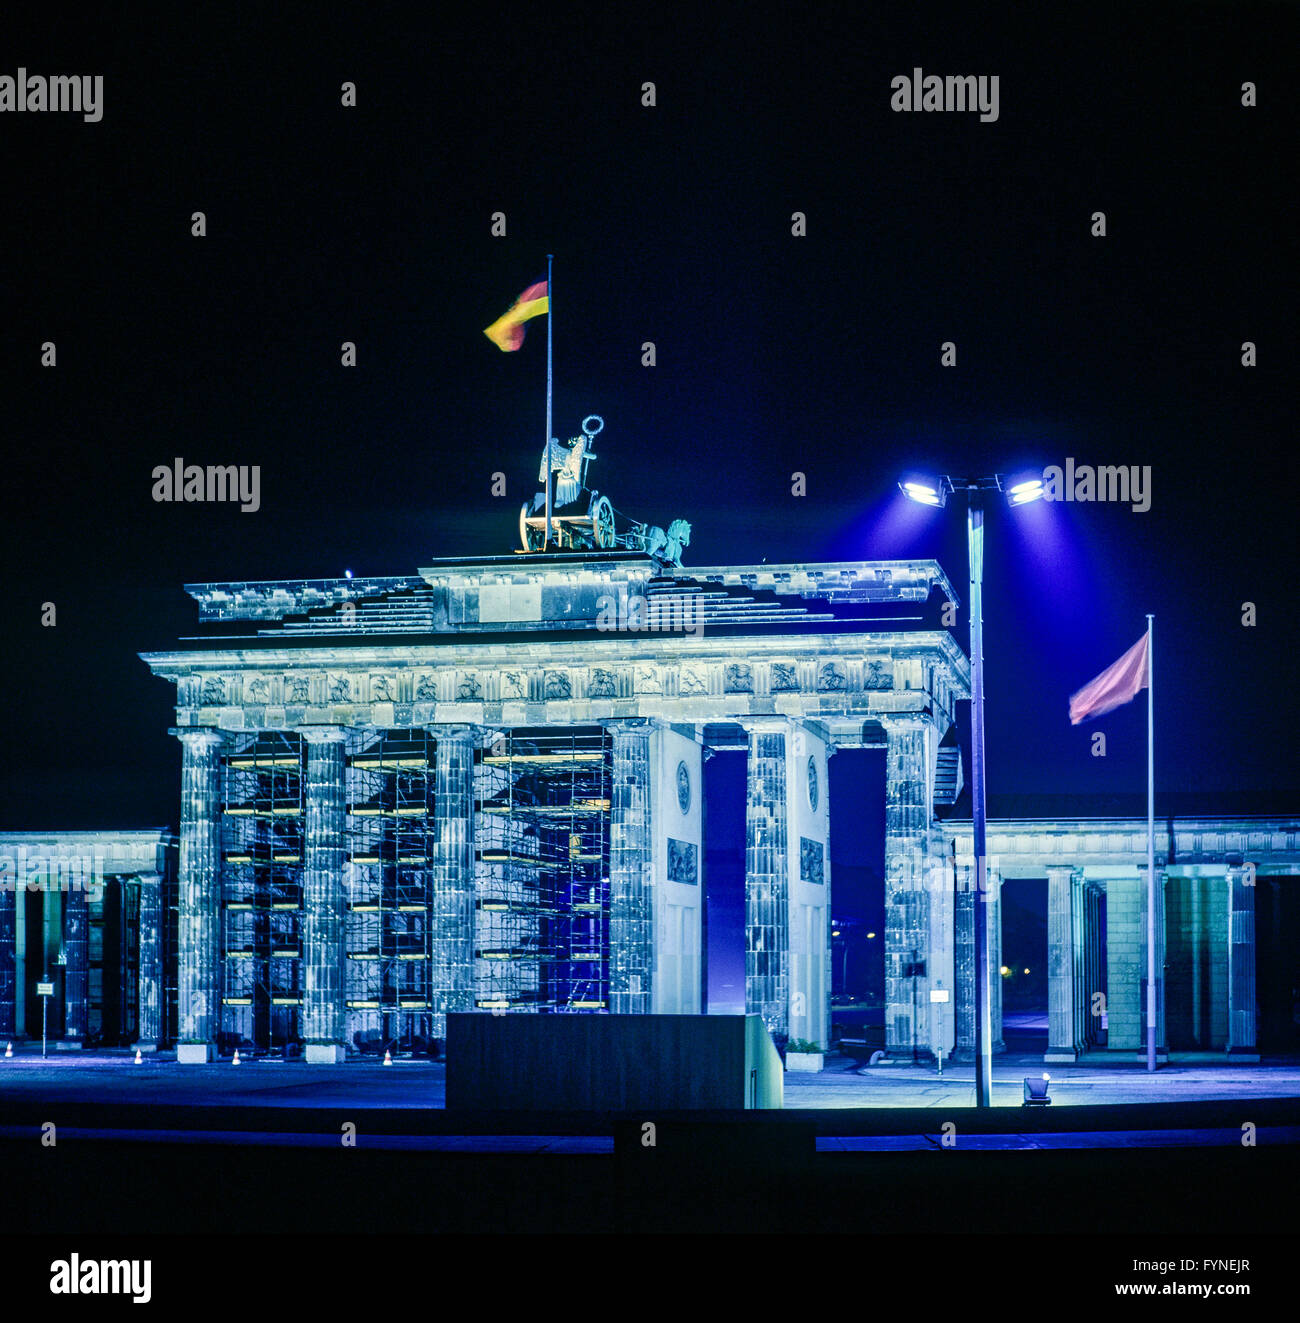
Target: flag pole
(1151,856)
(546,449)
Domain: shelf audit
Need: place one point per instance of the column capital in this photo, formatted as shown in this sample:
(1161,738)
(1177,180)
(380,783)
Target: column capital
(630,725)
(1072,871)
(323,734)
(198,737)
(452,730)
(900,721)
(766,725)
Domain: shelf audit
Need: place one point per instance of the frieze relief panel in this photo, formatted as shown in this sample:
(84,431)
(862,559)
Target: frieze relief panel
(822,680)
(693,680)
(738,678)
(602,683)
(647,679)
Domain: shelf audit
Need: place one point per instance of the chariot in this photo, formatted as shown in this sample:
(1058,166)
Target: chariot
(582,519)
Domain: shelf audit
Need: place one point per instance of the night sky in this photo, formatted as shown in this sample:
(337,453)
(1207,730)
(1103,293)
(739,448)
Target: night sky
(775,354)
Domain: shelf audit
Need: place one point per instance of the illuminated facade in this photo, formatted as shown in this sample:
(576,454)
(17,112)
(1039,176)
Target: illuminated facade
(481,788)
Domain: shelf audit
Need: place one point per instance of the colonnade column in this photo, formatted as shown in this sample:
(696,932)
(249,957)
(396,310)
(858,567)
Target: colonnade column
(631,870)
(451,907)
(1065,1028)
(324,1021)
(8,960)
(150,974)
(963,961)
(1162,1042)
(1242,1044)
(908,810)
(199,926)
(767,876)
(75,953)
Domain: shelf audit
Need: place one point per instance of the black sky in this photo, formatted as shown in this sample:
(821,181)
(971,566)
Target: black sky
(775,354)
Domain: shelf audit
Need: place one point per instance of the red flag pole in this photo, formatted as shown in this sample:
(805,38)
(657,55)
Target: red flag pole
(1151,858)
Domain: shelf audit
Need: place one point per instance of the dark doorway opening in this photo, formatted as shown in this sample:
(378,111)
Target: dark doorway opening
(857,854)
(1277,964)
(723,944)
(1023,972)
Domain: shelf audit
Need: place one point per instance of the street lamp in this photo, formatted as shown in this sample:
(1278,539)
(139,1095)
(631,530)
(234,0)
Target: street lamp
(935,493)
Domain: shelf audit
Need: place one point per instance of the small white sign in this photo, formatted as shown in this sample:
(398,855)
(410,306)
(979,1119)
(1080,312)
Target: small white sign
(45,989)
(938,994)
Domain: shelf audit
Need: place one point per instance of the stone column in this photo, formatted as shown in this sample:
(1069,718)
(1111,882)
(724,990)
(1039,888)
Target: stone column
(323,1019)
(993,879)
(1094,938)
(1242,1044)
(767,877)
(199,968)
(451,907)
(964,963)
(8,961)
(1162,1043)
(150,975)
(1064,925)
(631,871)
(76,972)
(909,799)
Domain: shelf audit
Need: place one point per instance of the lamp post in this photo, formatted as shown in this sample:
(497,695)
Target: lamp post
(936,494)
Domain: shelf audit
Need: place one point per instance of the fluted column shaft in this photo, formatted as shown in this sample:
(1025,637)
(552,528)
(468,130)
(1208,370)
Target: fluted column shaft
(199,925)
(451,911)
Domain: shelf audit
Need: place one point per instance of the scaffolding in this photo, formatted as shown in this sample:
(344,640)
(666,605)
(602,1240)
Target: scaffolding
(542,871)
(262,865)
(390,788)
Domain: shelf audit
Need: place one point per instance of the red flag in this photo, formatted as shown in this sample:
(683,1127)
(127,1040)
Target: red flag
(1118,684)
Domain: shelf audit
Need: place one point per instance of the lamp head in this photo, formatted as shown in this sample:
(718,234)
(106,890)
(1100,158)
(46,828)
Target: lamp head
(1021,493)
(926,491)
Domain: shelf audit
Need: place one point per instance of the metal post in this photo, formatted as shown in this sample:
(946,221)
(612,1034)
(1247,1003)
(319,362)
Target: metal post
(546,467)
(983,1015)
(1151,859)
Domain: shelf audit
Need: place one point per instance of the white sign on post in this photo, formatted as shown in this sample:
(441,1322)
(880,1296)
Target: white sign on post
(45,989)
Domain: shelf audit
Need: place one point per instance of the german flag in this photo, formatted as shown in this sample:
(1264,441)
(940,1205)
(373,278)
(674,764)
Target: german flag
(507,332)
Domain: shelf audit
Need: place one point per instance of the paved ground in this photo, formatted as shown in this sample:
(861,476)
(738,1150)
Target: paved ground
(105,1077)
(922,1086)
